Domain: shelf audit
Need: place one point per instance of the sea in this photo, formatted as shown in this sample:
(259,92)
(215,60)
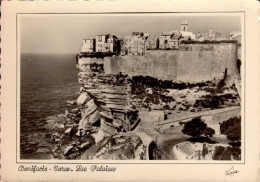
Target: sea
(47,82)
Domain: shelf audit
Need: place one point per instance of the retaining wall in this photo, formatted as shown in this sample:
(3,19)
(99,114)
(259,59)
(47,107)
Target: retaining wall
(192,63)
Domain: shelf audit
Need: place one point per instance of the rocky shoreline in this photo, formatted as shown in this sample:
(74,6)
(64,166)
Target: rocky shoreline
(98,124)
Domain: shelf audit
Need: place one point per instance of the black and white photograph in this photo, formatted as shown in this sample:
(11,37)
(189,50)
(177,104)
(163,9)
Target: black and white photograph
(148,86)
(130,91)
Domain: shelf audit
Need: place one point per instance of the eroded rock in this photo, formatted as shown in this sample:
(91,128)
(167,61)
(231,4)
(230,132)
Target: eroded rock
(68,150)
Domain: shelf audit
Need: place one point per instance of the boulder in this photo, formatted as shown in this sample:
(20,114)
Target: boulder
(119,123)
(68,131)
(84,145)
(59,126)
(66,113)
(107,128)
(72,102)
(78,133)
(86,129)
(107,116)
(83,98)
(55,137)
(68,150)
(91,119)
(99,135)
(91,108)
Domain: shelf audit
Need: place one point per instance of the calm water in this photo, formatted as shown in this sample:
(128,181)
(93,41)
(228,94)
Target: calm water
(47,82)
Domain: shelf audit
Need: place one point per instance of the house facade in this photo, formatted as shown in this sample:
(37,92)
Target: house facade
(170,40)
(106,43)
(151,43)
(164,40)
(135,44)
(89,45)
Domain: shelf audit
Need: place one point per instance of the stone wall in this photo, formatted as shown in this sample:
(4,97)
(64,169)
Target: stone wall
(192,63)
(158,64)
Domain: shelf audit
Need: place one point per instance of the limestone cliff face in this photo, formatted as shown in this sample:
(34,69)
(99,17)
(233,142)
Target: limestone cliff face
(104,98)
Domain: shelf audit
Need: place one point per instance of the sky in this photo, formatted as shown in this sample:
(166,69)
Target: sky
(58,33)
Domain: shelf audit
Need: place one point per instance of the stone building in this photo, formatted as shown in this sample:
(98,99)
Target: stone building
(175,40)
(122,47)
(213,35)
(106,43)
(187,35)
(170,40)
(164,39)
(135,44)
(89,45)
(184,26)
(151,43)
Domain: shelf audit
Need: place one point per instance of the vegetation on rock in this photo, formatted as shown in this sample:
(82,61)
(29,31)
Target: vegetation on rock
(227,153)
(196,128)
(231,128)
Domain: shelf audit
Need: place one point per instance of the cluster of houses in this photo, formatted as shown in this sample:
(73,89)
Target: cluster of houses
(139,42)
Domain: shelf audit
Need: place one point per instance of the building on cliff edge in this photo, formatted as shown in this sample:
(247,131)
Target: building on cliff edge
(107,43)
(89,45)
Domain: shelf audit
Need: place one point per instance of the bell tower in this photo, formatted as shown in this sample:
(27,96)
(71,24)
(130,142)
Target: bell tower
(184,26)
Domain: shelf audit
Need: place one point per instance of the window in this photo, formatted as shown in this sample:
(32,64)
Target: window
(99,38)
(165,41)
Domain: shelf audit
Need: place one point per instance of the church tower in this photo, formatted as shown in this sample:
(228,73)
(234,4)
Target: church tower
(184,26)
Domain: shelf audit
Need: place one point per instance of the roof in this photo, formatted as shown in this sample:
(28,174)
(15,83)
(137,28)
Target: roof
(152,38)
(176,36)
(167,33)
(138,33)
(105,34)
(187,34)
(89,39)
(112,35)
